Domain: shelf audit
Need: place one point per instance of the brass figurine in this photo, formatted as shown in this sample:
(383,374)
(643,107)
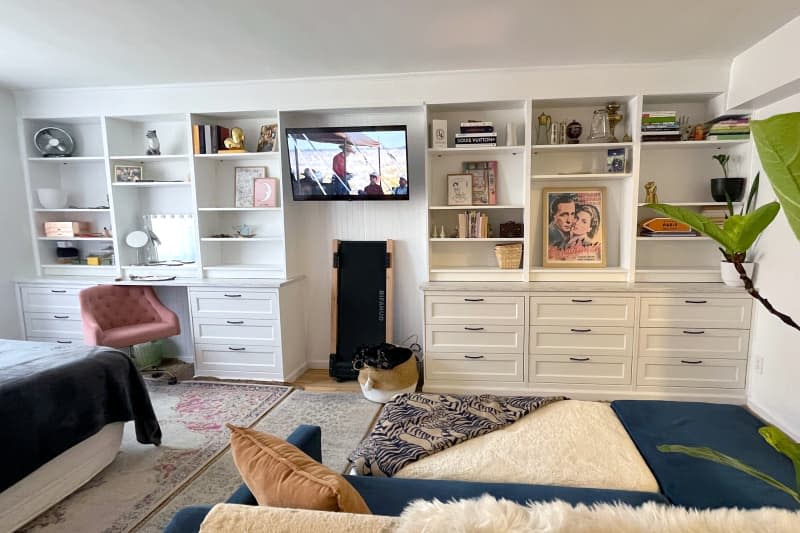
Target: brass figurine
(614,118)
(235,143)
(651,194)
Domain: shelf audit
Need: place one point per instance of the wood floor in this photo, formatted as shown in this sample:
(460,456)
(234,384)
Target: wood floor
(317,380)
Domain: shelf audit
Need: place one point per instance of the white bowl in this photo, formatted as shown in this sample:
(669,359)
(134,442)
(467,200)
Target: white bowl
(52,198)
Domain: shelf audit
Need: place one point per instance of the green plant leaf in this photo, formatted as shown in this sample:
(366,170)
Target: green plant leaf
(751,198)
(697,222)
(702,452)
(785,445)
(778,142)
(744,230)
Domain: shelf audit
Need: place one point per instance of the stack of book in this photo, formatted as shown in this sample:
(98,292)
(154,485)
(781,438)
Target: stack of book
(728,128)
(476,133)
(717,213)
(660,126)
(209,138)
(473,225)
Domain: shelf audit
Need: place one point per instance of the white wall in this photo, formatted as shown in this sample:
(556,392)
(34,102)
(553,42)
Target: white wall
(15,240)
(773,391)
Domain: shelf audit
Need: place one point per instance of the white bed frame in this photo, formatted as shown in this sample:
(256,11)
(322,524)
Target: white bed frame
(59,477)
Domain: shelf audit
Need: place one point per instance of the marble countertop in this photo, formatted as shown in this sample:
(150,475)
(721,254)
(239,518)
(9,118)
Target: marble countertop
(263,283)
(579,286)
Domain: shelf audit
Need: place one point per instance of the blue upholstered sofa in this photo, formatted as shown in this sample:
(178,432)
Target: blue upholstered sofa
(683,480)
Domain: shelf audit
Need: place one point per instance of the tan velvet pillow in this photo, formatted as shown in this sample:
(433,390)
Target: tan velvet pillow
(281,475)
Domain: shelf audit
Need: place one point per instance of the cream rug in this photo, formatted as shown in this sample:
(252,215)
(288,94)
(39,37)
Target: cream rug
(192,416)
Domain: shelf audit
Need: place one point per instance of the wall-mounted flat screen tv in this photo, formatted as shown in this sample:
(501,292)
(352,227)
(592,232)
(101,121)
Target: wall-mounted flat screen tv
(348,163)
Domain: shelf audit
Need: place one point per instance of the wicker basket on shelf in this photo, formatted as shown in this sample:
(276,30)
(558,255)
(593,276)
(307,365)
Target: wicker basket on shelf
(509,255)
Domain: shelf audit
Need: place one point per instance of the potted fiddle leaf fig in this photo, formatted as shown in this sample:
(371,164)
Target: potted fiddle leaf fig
(727,188)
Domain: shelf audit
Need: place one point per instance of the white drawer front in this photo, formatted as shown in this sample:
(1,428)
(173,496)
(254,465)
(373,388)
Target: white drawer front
(64,339)
(473,367)
(693,343)
(581,340)
(53,324)
(604,370)
(238,361)
(696,312)
(237,330)
(234,302)
(688,372)
(39,299)
(474,338)
(590,310)
(471,309)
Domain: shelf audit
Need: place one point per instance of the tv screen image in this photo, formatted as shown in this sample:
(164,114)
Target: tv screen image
(348,163)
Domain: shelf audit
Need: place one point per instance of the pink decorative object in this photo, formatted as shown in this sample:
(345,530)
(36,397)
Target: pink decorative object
(265,192)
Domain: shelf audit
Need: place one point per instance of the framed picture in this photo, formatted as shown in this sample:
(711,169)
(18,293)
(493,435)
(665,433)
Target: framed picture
(265,192)
(459,189)
(574,227)
(268,138)
(127,173)
(244,183)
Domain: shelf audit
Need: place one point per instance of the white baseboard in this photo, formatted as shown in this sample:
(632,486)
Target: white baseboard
(318,363)
(770,417)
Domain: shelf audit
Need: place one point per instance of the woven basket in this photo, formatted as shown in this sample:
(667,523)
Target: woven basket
(509,255)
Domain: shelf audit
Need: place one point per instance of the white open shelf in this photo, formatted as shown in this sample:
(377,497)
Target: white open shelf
(72,210)
(692,144)
(579,274)
(240,239)
(145,158)
(473,207)
(481,239)
(580,146)
(239,156)
(692,204)
(696,274)
(674,238)
(477,150)
(66,160)
(99,239)
(151,183)
(580,176)
(235,209)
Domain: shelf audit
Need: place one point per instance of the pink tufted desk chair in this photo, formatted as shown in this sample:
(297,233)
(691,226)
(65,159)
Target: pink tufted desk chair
(121,316)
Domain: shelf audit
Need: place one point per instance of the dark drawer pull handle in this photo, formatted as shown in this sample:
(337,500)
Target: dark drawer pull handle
(696,301)
(58,291)
(577,301)
(64,342)
(576,330)
(473,329)
(60,316)
(233,295)
(688,332)
(235,321)
(240,349)
(691,362)
(473,299)
(473,356)
(580,359)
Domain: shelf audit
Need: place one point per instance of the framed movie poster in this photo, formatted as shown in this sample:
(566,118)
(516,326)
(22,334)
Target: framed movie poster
(459,189)
(244,179)
(574,227)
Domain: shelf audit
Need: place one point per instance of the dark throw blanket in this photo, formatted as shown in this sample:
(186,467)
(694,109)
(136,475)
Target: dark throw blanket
(53,397)
(413,426)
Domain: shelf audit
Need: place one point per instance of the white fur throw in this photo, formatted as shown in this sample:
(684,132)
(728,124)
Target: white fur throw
(489,515)
(227,518)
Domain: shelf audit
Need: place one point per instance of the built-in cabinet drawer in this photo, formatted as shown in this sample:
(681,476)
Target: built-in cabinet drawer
(240,361)
(475,309)
(695,312)
(240,330)
(473,366)
(582,309)
(580,340)
(47,299)
(693,343)
(67,339)
(602,370)
(474,338)
(240,303)
(691,372)
(53,324)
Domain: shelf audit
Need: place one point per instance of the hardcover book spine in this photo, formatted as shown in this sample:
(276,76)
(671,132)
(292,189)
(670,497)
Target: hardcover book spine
(209,140)
(196,138)
(477,129)
(476,123)
(202,135)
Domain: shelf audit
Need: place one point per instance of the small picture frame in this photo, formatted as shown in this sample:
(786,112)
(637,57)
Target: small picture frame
(244,181)
(265,192)
(615,160)
(459,189)
(268,138)
(127,173)
(574,227)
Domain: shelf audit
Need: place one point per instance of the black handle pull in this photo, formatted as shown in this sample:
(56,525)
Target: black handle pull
(64,342)
(58,291)
(473,356)
(473,299)
(689,332)
(233,295)
(690,362)
(60,316)
(240,349)
(581,359)
(576,330)
(235,321)
(696,301)
(473,329)
(578,301)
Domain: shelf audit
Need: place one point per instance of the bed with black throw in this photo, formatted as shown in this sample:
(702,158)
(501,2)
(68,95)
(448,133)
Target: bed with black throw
(62,403)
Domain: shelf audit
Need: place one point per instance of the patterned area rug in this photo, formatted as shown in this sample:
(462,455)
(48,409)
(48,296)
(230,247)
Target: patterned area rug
(192,417)
(344,418)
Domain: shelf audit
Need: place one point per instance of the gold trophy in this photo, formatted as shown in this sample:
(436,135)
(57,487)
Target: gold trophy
(614,118)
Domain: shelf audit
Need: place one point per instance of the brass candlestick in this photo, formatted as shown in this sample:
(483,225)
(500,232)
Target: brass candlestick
(614,118)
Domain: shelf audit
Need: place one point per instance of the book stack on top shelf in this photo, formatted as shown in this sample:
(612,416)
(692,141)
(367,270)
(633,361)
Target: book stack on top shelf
(476,133)
(208,138)
(473,225)
(660,126)
(728,128)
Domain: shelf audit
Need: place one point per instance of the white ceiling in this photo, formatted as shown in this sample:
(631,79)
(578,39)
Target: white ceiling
(85,43)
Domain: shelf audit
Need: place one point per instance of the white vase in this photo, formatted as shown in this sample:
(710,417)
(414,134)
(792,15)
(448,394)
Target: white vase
(731,277)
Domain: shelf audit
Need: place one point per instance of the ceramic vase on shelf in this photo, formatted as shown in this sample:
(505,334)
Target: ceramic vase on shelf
(730,276)
(735,188)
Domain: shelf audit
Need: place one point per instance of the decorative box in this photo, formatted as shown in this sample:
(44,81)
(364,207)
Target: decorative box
(65,229)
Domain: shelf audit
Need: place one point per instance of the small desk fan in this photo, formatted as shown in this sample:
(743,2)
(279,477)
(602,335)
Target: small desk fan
(53,142)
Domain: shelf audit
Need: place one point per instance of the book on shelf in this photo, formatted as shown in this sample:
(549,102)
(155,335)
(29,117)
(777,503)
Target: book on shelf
(475,135)
(208,138)
(688,234)
(655,117)
(661,126)
(473,225)
(476,123)
(728,137)
(484,176)
(481,140)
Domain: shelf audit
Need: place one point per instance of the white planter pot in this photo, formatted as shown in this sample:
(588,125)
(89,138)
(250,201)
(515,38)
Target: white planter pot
(729,275)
